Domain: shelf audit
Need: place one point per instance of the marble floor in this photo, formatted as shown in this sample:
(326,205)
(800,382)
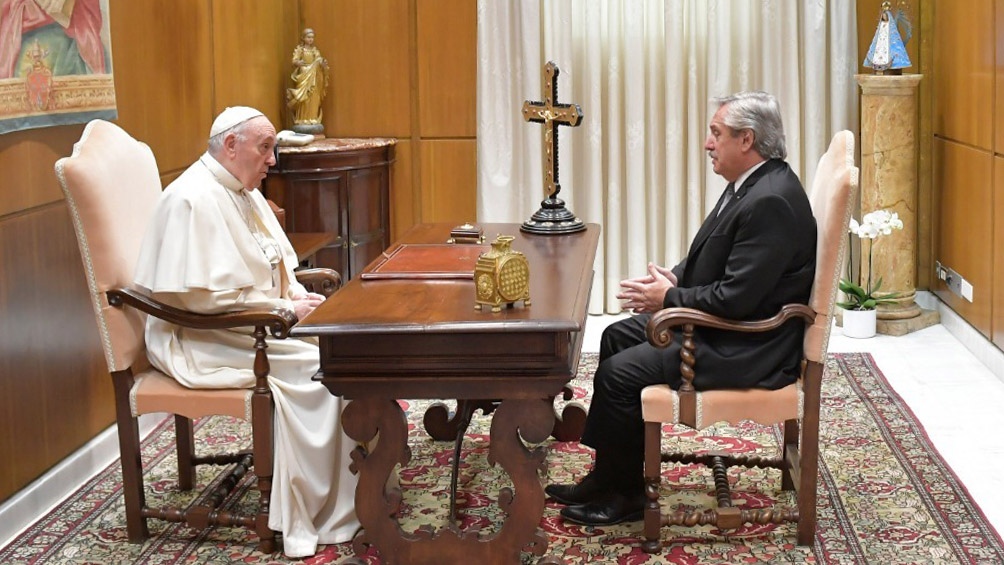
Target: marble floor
(950,376)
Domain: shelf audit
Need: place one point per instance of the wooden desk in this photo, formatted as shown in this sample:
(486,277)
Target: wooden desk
(306,244)
(382,340)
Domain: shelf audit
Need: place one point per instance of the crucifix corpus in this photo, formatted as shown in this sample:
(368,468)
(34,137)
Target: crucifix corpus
(553,217)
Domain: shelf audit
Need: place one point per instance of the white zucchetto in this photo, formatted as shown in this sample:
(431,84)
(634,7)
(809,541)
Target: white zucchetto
(231,117)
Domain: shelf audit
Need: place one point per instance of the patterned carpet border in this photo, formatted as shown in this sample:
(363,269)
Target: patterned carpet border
(958,519)
(885,495)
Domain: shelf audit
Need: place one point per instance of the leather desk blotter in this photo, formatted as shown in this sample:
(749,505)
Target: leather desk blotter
(426,261)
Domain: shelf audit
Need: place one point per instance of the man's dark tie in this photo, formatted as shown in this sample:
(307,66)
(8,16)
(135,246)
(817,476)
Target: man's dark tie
(730,191)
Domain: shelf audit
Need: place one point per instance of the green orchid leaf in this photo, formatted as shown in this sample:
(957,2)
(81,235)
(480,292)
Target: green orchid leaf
(878,285)
(890,297)
(848,287)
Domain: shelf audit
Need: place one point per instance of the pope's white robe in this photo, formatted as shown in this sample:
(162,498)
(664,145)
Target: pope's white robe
(201,253)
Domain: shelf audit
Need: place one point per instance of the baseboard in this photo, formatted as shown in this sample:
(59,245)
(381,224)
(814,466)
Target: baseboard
(982,348)
(33,501)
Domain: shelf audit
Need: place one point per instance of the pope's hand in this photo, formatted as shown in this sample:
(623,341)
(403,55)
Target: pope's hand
(305,304)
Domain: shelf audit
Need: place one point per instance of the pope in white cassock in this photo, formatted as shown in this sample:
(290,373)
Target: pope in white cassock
(214,245)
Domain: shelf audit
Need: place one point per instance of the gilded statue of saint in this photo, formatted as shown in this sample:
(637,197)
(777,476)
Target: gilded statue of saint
(310,84)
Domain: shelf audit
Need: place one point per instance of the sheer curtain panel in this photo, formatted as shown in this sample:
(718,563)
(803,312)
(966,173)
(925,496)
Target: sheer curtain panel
(643,72)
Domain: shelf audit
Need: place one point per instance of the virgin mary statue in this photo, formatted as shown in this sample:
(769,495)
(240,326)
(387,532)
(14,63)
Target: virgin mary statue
(888,51)
(310,84)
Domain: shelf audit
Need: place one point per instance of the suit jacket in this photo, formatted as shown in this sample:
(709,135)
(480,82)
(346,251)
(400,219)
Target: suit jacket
(744,264)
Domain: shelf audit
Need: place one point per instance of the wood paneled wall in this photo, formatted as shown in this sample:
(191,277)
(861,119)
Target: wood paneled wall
(400,68)
(964,177)
(967,176)
(55,393)
(407,69)
(996,244)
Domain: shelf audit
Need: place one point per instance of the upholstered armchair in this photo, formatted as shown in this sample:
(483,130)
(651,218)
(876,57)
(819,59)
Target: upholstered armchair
(795,407)
(112,184)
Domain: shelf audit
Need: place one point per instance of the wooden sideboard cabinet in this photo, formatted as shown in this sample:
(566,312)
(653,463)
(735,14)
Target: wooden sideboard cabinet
(340,186)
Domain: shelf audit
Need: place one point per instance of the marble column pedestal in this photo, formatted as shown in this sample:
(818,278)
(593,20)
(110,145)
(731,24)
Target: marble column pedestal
(889,181)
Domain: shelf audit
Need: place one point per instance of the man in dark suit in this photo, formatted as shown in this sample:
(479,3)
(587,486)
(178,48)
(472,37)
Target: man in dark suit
(755,252)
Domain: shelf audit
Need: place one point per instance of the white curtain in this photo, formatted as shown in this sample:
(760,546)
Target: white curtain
(643,72)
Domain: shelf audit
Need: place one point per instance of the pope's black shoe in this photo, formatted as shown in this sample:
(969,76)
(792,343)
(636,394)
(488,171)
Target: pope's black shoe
(588,489)
(610,508)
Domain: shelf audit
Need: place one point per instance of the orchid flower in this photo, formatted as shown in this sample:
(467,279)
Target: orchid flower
(873,225)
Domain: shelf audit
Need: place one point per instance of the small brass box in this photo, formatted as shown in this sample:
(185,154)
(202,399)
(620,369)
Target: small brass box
(501,275)
(466,233)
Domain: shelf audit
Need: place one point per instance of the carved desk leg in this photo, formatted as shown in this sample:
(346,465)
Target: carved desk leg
(442,427)
(523,505)
(569,425)
(531,420)
(377,506)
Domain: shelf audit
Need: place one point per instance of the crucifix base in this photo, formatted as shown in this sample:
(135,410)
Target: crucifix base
(553,219)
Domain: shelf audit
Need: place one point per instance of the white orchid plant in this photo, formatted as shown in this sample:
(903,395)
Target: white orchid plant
(873,225)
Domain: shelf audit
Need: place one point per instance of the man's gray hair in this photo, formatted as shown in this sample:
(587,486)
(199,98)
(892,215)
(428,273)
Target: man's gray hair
(216,142)
(759,112)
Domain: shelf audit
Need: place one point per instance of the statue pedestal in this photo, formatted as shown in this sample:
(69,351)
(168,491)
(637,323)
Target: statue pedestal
(317,130)
(889,181)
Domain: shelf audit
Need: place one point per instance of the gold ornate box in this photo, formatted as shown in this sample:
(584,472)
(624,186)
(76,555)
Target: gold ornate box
(501,275)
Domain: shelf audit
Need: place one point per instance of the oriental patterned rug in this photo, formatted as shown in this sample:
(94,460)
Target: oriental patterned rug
(885,496)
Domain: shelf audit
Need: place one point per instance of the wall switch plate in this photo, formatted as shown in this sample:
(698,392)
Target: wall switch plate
(966,290)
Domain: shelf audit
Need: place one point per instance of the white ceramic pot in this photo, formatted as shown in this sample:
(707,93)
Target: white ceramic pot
(859,323)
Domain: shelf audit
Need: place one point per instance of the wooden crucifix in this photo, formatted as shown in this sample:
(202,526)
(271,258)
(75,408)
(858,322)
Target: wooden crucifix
(553,217)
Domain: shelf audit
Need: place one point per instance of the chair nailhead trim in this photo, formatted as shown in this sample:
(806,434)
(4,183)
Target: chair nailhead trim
(132,397)
(700,411)
(801,400)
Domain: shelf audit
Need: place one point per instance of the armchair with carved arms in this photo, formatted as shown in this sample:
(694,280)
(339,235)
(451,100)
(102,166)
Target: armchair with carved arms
(795,407)
(112,184)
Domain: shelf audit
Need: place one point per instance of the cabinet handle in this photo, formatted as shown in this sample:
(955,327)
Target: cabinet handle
(353,244)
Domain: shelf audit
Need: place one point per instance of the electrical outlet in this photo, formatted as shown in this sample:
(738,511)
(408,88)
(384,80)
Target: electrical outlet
(954,281)
(940,272)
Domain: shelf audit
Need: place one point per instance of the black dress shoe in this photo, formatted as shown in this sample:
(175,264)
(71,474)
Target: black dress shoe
(588,489)
(611,508)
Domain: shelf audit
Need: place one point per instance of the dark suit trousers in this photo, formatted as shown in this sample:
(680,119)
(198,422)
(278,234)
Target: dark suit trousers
(614,426)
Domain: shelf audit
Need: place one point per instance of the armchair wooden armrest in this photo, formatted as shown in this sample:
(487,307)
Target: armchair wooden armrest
(659,332)
(322,281)
(278,320)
